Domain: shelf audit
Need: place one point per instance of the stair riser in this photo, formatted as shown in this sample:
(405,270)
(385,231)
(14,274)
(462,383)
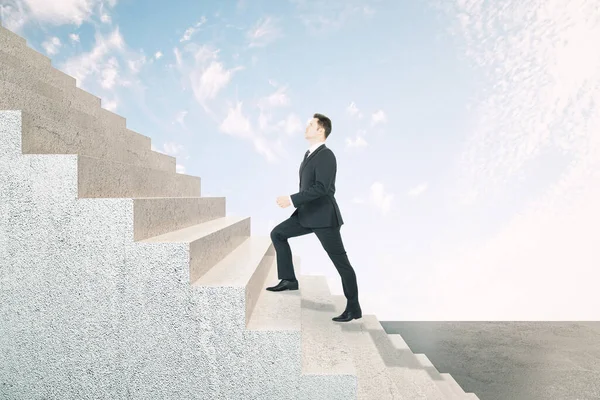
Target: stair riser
(38,80)
(15,98)
(74,101)
(256,284)
(42,137)
(26,54)
(52,83)
(327,387)
(208,251)
(102,178)
(16,38)
(154,217)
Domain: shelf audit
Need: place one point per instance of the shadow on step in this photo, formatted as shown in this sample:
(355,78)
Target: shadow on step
(316,306)
(395,357)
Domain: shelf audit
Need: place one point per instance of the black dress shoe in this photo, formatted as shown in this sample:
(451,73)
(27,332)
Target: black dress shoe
(348,315)
(284,285)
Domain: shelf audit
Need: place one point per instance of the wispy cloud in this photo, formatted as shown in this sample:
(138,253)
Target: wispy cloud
(264,32)
(378,117)
(417,190)
(353,110)
(320,16)
(189,32)
(52,45)
(16,13)
(380,198)
(357,141)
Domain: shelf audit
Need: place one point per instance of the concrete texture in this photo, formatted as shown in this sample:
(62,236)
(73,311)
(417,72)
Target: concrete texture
(410,378)
(157,216)
(88,313)
(328,370)
(42,135)
(104,178)
(512,360)
(117,281)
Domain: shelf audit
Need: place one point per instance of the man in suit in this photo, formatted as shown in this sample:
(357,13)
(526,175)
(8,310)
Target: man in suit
(316,212)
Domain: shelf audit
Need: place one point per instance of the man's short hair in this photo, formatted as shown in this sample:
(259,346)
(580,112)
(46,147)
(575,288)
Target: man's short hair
(324,123)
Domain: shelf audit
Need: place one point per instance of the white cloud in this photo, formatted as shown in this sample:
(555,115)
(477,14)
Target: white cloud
(207,75)
(110,72)
(92,62)
(263,33)
(378,117)
(320,16)
(74,37)
(158,55)
(110,105)
(417,190)
(135,64)
(354,111)
(277,99)
(358,141)
(175,150)
(180,169)
(380,198)
(189,32)
(180,118)
(51,45)
(15,13)
(290,125)
(236,123)
(105,18)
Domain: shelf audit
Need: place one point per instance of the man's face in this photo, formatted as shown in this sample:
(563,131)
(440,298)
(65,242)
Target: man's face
(313,130)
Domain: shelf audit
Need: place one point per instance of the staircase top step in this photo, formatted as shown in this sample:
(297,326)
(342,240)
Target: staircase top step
(324,350)
(276,310)
(195,232)
(236,269)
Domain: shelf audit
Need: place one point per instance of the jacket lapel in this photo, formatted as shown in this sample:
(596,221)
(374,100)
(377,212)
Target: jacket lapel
(310,157)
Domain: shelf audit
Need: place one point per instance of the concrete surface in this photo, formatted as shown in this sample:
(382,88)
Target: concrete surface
(512,360)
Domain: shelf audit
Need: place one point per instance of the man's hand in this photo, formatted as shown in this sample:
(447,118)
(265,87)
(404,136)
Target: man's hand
(283,201)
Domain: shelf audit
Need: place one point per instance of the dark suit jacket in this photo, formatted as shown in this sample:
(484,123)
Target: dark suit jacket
(315,202)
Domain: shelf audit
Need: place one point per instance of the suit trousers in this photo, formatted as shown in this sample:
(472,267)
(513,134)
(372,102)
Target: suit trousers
(331,241)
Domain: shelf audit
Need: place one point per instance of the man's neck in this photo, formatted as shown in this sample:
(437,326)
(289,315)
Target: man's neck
(314,142)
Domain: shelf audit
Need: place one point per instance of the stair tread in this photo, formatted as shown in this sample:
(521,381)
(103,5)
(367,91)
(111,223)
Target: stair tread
(194,232)
(236,269)
(276,310)
(374,380)
(324,350)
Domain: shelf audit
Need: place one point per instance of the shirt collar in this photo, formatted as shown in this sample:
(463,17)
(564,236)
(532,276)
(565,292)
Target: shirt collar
(315,146)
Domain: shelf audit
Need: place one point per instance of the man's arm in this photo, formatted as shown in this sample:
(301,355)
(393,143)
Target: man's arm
(324,177)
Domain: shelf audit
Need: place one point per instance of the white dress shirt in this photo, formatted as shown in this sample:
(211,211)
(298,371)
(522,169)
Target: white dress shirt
(310,151)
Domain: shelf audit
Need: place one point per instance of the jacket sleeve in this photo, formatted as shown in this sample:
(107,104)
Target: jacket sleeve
(324,177)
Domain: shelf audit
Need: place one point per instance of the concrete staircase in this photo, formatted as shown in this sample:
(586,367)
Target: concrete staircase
(119,281)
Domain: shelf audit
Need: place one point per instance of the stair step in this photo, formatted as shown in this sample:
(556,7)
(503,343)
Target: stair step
(276,311)
(434,373)
(238,279)
(412,384)
(449,379)
(50,86)
(11,35)
(15,97)
(105,178)
(10,43)
(374,379)
(328,370)
(41,135)
(470,396)
(157,216)
(210,242)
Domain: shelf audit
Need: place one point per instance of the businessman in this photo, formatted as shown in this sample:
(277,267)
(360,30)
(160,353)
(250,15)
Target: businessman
(316,212)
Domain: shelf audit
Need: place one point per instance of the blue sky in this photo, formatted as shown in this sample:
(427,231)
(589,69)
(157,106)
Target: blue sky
(466,132)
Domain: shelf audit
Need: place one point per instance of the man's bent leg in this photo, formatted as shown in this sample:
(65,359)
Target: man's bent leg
(331,240)
(279,236)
